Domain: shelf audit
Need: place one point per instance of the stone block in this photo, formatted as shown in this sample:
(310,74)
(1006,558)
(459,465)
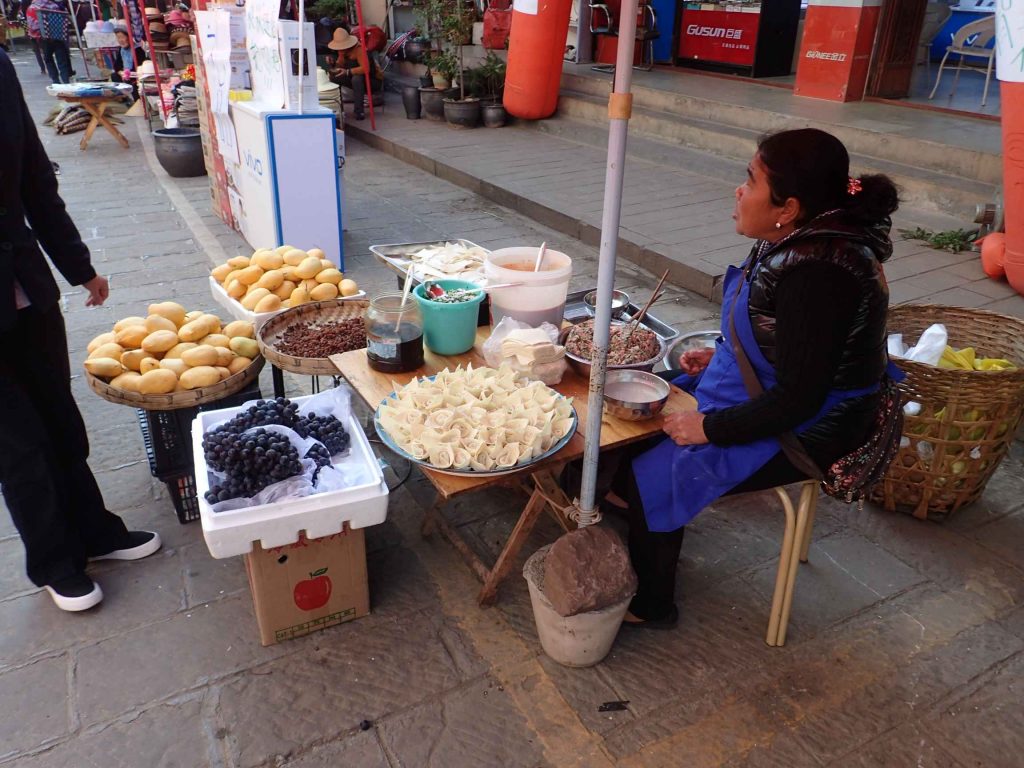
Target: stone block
(906,745)
(361,749)
(208,579)
(478,725)
(34,700)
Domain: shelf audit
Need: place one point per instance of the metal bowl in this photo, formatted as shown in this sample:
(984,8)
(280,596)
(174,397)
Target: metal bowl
(620,303)
(686,342)
(634,406)
(582,367)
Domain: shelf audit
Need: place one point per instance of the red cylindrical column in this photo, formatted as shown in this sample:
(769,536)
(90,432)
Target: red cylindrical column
(1012,102)
(535,51)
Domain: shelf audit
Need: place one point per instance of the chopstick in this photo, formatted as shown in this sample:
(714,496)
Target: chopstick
(640,315)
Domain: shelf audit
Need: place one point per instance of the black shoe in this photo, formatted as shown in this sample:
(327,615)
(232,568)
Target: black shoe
(75,593)
(668,621)
(360,115)
(140,544)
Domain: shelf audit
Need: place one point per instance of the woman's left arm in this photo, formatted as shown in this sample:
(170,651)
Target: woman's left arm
(815,307)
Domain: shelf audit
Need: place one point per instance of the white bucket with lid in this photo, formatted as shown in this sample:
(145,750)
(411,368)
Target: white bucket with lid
(541,298)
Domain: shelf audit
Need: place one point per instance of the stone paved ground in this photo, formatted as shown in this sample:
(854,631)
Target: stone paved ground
(905,646)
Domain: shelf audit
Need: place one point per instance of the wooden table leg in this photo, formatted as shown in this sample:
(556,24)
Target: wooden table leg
(101,116)
(89,129)
(430,517)
(527,519)
(555,497)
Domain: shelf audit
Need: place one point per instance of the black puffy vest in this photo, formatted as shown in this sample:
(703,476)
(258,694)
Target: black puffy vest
(858,249)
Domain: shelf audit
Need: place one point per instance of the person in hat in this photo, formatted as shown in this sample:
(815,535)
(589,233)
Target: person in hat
(45,478)
(350,68)
(124,61)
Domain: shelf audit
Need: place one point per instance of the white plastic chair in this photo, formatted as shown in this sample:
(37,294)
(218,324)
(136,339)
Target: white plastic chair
(980,34)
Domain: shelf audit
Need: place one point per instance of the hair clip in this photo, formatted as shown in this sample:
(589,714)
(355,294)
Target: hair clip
(853,186)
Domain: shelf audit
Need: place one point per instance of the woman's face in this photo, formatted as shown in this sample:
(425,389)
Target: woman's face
(755,213)
(122,39)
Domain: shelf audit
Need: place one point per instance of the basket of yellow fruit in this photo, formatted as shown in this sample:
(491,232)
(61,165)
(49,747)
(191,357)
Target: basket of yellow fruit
(257,287)
(172,359)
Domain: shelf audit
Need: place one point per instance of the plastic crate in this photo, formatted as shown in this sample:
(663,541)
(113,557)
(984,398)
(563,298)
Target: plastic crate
(167,435)
(182,489)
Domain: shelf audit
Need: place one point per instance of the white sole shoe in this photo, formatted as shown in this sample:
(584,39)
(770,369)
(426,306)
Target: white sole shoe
(83,603)
(145,549)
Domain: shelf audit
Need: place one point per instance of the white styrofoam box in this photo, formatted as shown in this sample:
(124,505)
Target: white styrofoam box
(233,532)
(101,40)
(241,313)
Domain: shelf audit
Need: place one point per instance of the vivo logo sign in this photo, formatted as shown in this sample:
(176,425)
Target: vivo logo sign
(729,34)
(254,164)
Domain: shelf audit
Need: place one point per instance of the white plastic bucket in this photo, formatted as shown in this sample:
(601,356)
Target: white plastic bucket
(541,298)
(573,641)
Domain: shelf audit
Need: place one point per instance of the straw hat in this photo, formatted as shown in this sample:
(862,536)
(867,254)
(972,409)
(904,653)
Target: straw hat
(153,13)
(342,41)
(180,39)
(146,69)
(157,28)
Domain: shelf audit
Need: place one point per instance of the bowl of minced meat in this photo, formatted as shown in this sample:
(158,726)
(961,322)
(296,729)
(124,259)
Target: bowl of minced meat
(642,352)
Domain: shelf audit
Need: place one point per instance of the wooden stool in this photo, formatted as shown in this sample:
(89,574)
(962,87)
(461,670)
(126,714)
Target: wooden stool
(796,542)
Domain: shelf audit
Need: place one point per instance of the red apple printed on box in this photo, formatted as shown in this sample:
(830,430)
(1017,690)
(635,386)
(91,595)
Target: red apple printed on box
(314,592)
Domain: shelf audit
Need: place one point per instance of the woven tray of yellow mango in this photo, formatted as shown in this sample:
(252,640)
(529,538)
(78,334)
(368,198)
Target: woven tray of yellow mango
(172,359)
(257,287)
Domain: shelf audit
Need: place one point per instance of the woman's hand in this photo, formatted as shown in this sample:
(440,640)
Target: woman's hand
(686,428)
(98,289)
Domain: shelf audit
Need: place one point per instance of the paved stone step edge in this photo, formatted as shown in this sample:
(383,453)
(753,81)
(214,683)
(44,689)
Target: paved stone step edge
(921,187)
(931,155)
(649,257)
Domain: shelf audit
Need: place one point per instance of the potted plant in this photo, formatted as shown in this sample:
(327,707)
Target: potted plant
(444,66)
(457,23)
(492,73)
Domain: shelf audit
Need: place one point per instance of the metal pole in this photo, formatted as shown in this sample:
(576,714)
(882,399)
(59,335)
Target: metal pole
(619,108)
(302,50)
(78,37)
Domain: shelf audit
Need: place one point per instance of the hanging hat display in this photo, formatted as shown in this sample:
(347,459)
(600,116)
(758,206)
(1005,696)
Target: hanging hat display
(342,41)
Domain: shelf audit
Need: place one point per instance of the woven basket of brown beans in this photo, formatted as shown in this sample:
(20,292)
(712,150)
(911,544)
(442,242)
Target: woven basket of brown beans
(300,339)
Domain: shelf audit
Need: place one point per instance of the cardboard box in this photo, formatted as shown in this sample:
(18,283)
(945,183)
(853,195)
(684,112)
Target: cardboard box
(309,585)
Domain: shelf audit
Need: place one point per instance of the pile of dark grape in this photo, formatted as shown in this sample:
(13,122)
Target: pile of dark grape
(252,462)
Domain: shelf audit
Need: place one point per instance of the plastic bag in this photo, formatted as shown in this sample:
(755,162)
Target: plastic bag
(929,347)
(549,373)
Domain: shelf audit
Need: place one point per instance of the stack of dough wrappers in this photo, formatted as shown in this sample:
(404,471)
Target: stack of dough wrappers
(531,351)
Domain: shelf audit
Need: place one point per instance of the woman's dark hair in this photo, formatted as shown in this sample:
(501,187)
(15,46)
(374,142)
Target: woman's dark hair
(814,167)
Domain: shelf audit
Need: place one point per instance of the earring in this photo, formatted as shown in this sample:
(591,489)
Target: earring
(778,225)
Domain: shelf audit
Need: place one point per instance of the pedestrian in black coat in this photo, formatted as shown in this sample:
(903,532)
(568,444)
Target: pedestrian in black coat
(45,479)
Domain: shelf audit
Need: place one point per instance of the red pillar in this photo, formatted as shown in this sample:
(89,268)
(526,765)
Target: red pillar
(839,36)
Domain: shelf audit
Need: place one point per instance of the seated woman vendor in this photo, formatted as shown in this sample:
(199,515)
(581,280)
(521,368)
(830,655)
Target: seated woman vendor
(809,310)
(123,61)
(350,68)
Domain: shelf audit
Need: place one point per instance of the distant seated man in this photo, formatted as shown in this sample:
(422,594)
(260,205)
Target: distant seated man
(350,68)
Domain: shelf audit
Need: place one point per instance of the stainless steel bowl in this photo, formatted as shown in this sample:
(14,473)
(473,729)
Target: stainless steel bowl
(582,367)
(688,341)
(620,302)
(634,406)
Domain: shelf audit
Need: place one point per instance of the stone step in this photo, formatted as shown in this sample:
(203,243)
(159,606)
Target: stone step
(872,134)
(921,187)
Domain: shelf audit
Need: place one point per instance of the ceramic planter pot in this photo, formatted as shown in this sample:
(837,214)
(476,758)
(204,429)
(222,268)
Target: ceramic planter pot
(411,102)
(432,102)
(462,114)
(441,82)
(180,151)
(494,115)
(426,81)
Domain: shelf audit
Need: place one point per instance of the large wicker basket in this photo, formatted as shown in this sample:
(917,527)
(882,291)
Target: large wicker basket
(968,419)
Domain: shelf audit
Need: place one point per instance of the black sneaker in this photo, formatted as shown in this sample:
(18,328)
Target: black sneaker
(140,544)
(75,593)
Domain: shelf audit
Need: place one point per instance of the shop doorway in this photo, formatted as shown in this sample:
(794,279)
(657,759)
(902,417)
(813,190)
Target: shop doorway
(897,49)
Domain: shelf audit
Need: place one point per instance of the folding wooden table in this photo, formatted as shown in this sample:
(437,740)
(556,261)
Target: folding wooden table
(96,106)
(538,481)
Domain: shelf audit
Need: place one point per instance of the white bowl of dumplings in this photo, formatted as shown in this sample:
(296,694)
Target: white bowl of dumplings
(476,420)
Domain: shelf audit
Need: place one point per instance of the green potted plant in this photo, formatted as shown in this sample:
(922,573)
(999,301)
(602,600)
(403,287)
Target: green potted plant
(492,73)
(457,23)
(444,67)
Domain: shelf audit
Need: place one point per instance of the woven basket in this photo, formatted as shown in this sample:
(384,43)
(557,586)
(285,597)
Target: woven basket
(314,312)
(186,399)
(968,419)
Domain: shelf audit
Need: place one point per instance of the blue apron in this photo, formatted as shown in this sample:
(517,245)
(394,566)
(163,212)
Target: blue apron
(699,474)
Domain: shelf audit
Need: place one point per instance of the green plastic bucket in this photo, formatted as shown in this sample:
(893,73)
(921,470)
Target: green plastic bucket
(449,329)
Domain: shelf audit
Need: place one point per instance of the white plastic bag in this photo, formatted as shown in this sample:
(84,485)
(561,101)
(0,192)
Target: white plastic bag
(930,346)
(507,324)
